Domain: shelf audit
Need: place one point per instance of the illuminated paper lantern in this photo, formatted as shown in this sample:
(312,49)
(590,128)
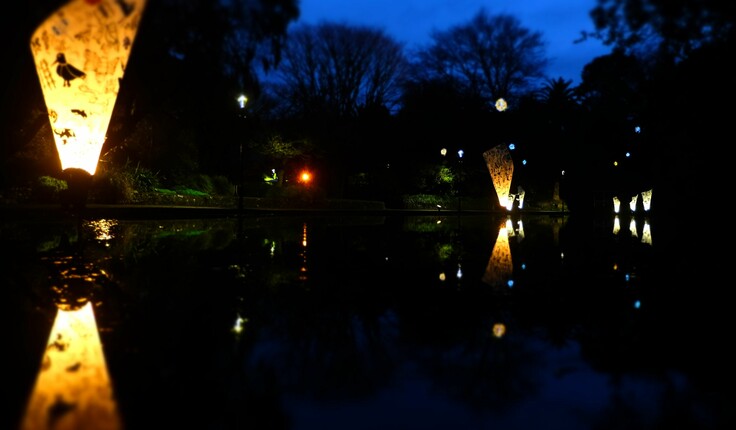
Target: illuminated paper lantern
(646,200)
(632,202)
(81,52)
(501,167)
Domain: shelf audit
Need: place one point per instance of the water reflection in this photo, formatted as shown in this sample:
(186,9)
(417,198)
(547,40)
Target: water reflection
(500,267)
(73,388)
(361,328)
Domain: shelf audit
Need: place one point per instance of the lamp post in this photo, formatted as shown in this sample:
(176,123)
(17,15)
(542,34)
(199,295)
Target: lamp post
(242,100)
(460,154)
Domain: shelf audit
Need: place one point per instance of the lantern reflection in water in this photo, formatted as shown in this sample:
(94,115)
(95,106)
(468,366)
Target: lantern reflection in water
(500,267)
(73,388)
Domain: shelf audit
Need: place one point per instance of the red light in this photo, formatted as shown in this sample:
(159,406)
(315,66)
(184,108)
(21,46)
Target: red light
(305,177)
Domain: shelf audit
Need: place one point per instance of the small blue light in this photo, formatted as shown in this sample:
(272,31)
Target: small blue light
(523,266)
(512,146)
(637,129)
(627,277)
(510,283)
(523,162)
(637,304)
(628,154)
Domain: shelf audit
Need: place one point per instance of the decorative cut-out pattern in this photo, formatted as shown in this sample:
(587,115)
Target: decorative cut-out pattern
(501,167)
(80,53)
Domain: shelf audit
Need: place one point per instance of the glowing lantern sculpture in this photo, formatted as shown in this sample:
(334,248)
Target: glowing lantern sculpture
(646,200)
(501,167)
(81,52)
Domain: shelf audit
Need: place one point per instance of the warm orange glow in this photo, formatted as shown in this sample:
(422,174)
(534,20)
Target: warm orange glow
(499,329)
(501,167)
(500,267)
(80,53)
(305,177)
(73,389)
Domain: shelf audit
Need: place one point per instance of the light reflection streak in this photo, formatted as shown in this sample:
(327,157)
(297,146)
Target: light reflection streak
(303,269)
(73,389)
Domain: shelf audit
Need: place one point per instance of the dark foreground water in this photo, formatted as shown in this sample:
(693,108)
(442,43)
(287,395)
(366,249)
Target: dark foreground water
(362,322)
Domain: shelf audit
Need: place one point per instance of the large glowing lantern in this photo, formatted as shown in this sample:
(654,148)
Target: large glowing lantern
(501,167)
(81,52)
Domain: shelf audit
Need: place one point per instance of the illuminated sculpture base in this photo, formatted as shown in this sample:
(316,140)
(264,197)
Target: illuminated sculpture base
(78,182)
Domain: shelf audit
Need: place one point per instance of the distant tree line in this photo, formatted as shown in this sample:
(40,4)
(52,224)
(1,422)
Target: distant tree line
(371,116)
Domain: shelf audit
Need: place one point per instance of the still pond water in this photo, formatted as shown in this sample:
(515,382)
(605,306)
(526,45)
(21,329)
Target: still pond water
(358,322)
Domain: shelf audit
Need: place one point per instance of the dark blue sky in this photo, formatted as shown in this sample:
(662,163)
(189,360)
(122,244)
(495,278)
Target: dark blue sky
(411,22)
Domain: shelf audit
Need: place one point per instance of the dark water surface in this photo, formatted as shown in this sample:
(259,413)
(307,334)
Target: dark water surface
(363,322)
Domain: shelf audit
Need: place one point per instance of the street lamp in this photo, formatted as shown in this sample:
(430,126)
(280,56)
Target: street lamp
(460,154)
(242,100)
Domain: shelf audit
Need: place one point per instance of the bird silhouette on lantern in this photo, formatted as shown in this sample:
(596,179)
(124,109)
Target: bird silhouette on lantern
(67,72)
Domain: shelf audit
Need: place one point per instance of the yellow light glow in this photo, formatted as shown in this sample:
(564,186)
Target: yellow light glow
(646,233)
(646,200)
(80,53)
(501,167)
(616,205)
(73,378)
(499,266)
(499,330)
(443,277)
(632,228)
(501,105)
(632,203)
(616,225)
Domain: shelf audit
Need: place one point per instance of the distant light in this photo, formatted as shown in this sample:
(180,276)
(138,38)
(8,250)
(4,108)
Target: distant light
(501,105)
(627,277)
(442,276)
(523,162)
(459,273)
(305,177)
(512,146)
(510,283)
(242,100)
(239,324)
(523,266)
(637,304)
(628,154)
(563,173)
(637,129)
(443,151)
(615,163)
(499,330)
(460,153)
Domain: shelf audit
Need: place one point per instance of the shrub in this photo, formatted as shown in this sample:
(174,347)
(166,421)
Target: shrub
(48,189)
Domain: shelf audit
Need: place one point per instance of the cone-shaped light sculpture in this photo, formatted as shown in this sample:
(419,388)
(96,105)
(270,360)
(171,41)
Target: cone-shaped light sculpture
(501,167)
(81,52)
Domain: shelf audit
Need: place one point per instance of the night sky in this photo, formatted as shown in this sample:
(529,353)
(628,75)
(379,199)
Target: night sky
(412,21)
